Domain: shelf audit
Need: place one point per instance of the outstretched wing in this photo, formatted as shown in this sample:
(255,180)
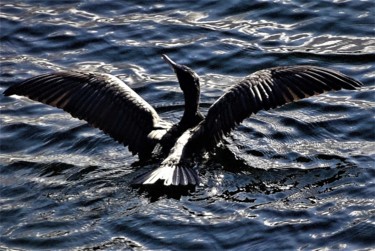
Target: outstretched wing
(263,90)
(103,100)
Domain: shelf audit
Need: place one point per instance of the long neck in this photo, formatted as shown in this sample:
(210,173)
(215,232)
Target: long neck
(191,116)
(190,119)
(191,104)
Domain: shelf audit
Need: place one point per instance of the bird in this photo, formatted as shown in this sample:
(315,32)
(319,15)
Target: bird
(107,103)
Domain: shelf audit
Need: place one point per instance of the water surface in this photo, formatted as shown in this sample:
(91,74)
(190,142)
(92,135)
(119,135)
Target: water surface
(307,176)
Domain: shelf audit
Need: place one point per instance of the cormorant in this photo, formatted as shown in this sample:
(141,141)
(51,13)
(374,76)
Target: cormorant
(107,103)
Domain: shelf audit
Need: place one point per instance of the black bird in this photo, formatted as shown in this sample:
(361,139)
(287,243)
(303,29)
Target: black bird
(107,103)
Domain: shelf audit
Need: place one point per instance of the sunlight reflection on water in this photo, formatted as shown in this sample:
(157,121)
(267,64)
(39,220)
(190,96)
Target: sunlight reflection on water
(307,181)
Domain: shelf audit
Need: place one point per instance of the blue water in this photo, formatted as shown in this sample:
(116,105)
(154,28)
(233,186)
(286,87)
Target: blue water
(307,177)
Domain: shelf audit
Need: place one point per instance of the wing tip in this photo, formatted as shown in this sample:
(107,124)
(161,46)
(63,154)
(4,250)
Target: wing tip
(353,83)
(9,91)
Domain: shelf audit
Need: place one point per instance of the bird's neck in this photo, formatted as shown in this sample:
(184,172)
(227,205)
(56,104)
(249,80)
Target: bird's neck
(190,120)
(191,116)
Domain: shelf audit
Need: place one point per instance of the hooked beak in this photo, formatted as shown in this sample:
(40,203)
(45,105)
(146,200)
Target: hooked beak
(170,62)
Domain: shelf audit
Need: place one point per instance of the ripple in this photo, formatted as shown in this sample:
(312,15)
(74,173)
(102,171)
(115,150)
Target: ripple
(298,177)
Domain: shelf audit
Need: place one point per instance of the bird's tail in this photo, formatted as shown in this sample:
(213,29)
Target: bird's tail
(177,174)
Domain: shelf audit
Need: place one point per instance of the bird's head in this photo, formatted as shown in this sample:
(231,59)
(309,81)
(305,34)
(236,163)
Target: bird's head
(189,84)
(188,79)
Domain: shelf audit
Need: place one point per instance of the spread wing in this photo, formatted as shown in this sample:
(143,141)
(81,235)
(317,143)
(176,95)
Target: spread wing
(263,90)
(103,100)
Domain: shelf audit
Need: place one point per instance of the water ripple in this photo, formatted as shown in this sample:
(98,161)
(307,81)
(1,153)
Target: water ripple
(299,177)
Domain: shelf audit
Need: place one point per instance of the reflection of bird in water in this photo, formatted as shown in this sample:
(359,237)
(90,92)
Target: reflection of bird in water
(107,103)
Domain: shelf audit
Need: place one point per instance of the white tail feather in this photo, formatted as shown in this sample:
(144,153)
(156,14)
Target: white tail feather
(174,170)
(177,175)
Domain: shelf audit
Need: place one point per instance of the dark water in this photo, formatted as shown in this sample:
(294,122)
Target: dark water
(308,178)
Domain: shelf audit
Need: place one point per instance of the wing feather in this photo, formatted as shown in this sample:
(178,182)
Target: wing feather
(103,100)
(263,90)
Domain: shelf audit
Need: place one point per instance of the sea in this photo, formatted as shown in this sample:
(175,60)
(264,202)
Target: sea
(302,176)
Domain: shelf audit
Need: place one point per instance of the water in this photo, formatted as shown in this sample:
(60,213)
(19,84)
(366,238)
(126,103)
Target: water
(307,179)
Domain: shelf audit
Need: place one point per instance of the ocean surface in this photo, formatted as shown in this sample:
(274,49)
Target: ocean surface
(307,176)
